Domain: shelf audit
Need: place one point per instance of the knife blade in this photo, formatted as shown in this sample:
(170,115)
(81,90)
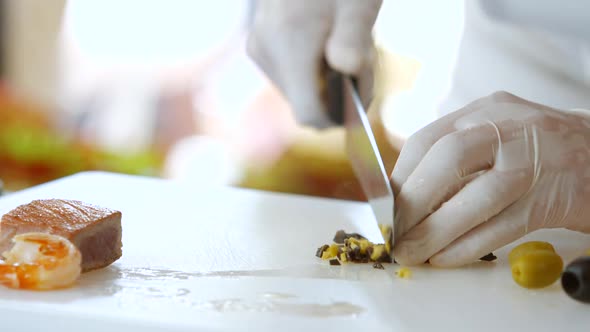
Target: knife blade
(345,107)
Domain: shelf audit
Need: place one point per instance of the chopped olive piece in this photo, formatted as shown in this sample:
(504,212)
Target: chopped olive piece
(342,236)
(386,259)
(321,250)
(331,252)
(489,258)
(354,248)
(378,253)
(387,233)
(378,266)
(334,262)
(404,273)
(364,244)
(344,257)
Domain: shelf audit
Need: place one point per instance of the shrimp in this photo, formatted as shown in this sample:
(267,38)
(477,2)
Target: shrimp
(40,261)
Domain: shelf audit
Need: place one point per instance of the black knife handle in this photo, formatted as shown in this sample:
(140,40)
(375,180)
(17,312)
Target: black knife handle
(332,93)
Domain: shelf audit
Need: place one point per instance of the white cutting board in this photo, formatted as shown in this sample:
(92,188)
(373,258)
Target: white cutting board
(231,259)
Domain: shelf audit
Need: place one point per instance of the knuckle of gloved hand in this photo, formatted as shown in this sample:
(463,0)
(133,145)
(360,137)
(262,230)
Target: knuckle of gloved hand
(503,96)
(449,150)
(411,153)
(418,142)
(350,51)
(347,59)
(410,254)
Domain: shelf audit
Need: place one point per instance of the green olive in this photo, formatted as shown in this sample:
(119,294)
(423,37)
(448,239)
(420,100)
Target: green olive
(527,247)
(537,268)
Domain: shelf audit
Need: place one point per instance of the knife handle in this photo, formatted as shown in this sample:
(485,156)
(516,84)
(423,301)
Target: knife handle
(332,93)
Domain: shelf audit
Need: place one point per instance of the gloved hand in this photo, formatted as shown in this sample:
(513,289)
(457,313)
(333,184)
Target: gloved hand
(488,174)
(289,40)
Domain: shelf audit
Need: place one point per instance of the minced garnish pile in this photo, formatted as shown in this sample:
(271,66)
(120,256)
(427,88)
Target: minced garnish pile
(354,248)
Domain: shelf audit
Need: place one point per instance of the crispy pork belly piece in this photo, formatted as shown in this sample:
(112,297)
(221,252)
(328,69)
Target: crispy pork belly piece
(94,230)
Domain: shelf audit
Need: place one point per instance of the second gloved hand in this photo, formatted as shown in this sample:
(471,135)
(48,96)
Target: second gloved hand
(289,40)
(488,174)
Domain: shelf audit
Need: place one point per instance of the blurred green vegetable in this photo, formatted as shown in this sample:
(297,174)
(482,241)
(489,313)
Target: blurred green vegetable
(31,155)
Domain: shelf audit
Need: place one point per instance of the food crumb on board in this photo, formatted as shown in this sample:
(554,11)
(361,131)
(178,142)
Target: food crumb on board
(404,273)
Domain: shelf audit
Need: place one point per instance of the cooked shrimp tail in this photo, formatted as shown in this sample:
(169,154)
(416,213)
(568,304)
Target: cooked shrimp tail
(40,261)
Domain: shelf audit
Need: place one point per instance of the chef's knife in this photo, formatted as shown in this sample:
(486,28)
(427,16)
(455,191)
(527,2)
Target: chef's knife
(345,107)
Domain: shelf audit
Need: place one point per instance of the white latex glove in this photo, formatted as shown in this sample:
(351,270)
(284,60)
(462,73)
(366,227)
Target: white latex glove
(290,39)
(488,174)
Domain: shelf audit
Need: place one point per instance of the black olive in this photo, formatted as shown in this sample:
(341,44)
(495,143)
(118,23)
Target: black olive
(575,280)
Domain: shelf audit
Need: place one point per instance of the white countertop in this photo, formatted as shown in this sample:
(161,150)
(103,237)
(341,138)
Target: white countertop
(220,258)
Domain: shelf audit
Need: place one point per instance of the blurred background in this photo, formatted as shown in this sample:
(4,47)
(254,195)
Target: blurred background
(164,88)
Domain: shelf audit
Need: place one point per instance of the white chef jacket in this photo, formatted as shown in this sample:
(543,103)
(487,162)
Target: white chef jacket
(537,50)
